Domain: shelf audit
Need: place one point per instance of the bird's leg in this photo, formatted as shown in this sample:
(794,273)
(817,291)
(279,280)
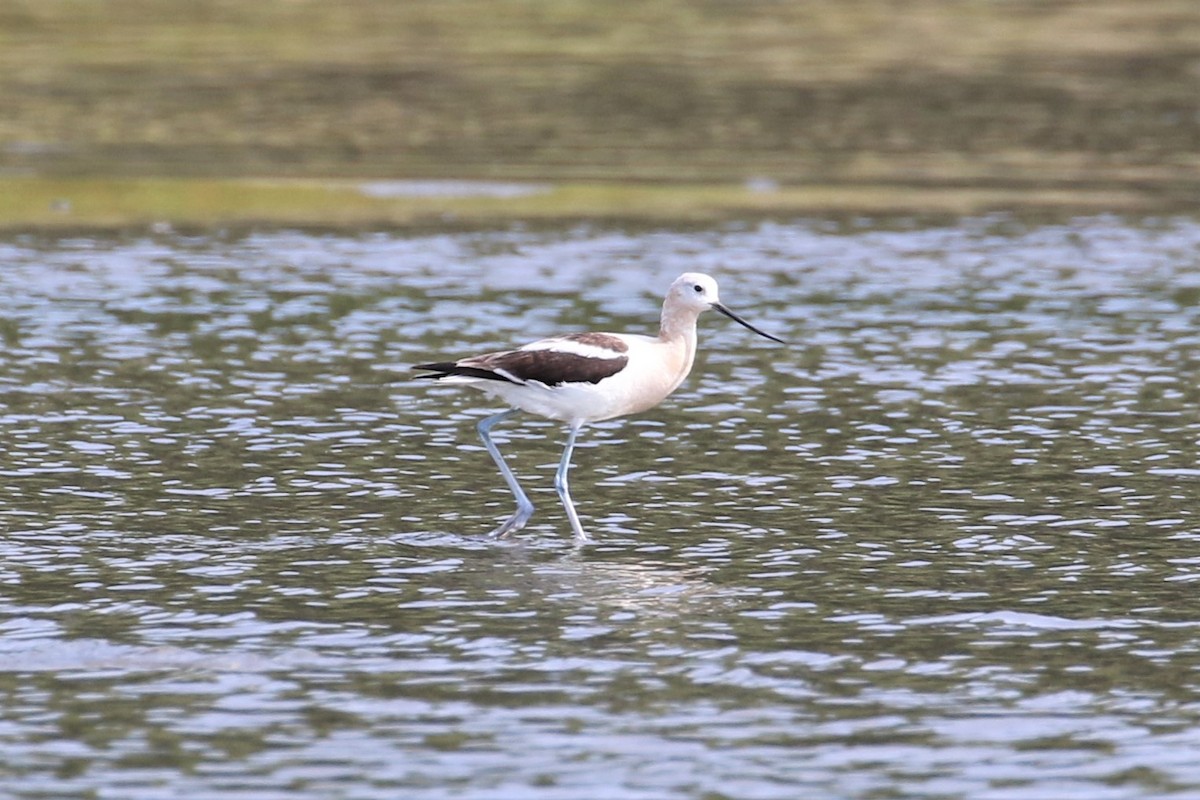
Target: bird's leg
(564,492)
(524,507)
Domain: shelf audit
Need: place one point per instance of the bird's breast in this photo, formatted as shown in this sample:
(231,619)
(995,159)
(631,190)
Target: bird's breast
(655,370)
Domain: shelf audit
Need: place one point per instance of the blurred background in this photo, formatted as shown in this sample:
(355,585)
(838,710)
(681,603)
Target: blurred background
(941,547)
(1090,104)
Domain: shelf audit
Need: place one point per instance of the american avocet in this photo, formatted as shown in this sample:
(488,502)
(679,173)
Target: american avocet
(587,377)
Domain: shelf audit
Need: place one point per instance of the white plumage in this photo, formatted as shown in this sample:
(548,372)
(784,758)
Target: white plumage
(588,377)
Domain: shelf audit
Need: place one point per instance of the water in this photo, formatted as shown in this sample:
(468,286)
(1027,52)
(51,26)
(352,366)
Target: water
(944,546)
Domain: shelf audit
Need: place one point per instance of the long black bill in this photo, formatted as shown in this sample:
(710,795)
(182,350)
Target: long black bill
(743,322)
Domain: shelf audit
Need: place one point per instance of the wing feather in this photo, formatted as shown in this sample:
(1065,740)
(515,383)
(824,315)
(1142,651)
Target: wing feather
(577,358)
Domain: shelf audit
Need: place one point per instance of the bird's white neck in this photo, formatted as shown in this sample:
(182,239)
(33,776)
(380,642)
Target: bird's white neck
(678,331)
(677,323)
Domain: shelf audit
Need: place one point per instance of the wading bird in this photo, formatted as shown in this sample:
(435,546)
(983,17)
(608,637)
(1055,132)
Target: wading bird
(587,377)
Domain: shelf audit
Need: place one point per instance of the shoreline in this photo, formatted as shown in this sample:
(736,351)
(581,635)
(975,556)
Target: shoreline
(32,204)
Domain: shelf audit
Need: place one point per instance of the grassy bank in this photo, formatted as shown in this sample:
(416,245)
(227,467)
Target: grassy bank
(928,104)
(139,203)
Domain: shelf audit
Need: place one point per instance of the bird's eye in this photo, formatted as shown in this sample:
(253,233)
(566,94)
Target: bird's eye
(699,289)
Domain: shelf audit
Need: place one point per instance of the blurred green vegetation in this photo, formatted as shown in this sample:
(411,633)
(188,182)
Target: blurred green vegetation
(233,203)
(1092,103)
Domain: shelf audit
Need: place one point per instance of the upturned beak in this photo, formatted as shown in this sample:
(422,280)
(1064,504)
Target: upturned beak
(742,322)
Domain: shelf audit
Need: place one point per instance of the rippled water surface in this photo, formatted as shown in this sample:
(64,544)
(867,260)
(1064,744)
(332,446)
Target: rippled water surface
(943,546)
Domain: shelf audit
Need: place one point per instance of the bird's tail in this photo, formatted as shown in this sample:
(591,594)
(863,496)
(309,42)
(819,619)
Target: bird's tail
(450,369)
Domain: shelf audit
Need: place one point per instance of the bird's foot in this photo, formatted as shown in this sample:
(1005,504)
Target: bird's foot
(513,523)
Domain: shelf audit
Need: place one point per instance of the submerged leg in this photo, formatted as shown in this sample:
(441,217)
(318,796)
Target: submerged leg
(564,492)
(524,507)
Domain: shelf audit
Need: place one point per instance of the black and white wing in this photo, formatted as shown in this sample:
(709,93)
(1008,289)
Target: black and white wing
(575,358)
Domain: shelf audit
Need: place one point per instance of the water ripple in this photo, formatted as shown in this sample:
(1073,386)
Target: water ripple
(941,547)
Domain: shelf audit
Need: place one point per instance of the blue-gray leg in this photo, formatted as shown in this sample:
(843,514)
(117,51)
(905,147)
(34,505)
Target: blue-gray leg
(564,492)
(524,507)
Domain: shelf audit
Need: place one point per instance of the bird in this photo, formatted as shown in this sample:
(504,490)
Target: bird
(580,378)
